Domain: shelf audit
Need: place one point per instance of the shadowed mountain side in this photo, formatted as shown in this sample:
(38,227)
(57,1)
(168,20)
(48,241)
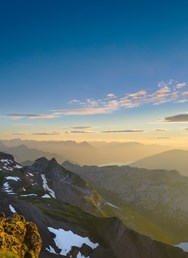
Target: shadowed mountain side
(153,202)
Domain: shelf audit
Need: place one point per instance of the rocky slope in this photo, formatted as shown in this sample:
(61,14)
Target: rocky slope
(67,231)
(157,199)
(57,200)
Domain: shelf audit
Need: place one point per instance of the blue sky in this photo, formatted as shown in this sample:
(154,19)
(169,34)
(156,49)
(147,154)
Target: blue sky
(70,68)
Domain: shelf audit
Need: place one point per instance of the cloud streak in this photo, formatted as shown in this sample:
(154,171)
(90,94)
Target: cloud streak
(44,133)
(177,118)
(124,131)
(93,109)
(81,127)
(79,131)
(161,130)
(30,116)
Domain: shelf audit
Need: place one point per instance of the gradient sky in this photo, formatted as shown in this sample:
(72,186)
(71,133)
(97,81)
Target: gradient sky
(94,70)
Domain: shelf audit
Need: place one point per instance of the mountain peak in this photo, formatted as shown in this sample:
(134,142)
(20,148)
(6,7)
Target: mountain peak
(44,164)
(4,155)
(53,160)
(41,163)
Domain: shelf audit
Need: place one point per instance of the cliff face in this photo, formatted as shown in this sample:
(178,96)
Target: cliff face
(18,238)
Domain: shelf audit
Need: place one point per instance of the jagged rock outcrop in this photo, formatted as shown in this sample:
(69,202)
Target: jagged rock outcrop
(19,238)
(64,185)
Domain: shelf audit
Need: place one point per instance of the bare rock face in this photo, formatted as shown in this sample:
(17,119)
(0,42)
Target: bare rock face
(19,238)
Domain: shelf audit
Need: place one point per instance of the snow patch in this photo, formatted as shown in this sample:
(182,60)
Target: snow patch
(7,168)
(12,209)
(14,178)
(183,246)
(46,187)
(6,161)
(18,166)
(25,195)
(7,188)
(65,240)
(10,165)
(46,196)
(51,250)
(112,205)
(79,255)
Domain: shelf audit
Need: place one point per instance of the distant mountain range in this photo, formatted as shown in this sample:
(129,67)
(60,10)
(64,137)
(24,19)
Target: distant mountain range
(171,160)
(73,219)
(93,153)
(22,153)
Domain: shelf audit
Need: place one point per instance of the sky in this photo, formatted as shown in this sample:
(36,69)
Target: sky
(94,70)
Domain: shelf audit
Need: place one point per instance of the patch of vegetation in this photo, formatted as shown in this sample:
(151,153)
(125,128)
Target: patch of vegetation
(74,216)
(7,254)
(18,238)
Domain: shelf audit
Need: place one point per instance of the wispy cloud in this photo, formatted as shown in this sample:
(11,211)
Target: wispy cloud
(180,85)
(170,91)
(124,131)
(79,131)
(160,129)
(111,95)
(136,95)
(93,109)
(44,133)
(81,127)
(177,118)
(185,94)
(181,101)
(30,116)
